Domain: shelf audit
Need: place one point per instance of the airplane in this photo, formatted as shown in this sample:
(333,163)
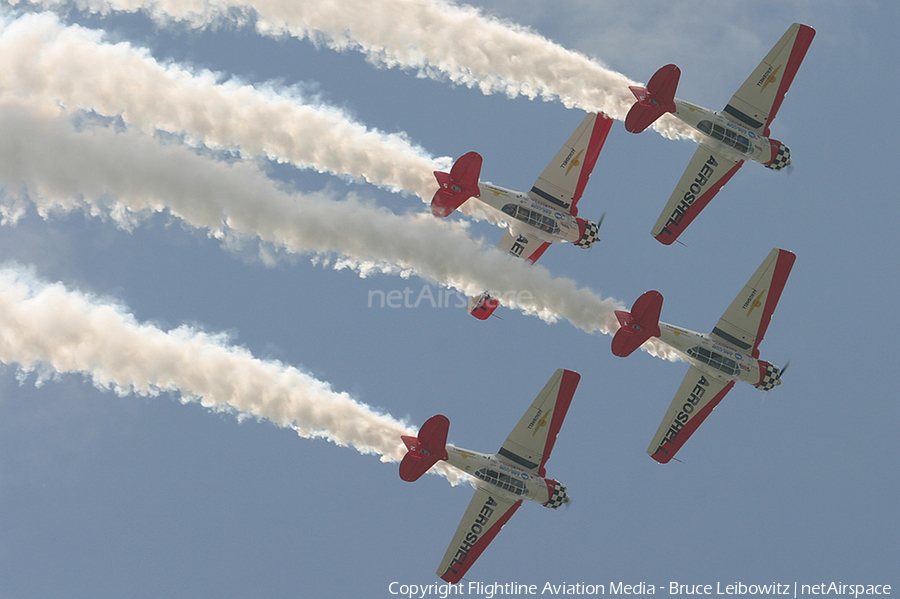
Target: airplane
(739,132)
(502,480)
(546,214)
(729,353)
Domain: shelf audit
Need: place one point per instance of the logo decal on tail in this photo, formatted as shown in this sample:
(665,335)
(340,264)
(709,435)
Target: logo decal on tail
(575,161)
(540,424)
(770,79)
(757,303)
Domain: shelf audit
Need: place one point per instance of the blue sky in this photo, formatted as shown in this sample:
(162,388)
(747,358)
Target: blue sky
(113,495)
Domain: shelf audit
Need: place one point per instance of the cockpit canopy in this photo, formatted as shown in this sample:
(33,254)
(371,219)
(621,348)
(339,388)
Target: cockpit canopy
(726,136)
(533,218)
(502,480)
(717,361)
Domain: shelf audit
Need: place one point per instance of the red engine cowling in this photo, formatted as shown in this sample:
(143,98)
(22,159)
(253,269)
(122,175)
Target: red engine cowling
(590,233)
(781,155)
(558,494)
(769,376)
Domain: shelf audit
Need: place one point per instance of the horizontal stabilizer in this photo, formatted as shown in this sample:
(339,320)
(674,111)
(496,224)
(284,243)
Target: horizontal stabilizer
(638,325)
(654,100)
(482,306)
(425,449)
(457,186)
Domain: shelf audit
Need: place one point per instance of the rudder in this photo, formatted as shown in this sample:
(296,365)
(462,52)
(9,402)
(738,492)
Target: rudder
(638,325)
(425,449)
(457,186)
(654,100)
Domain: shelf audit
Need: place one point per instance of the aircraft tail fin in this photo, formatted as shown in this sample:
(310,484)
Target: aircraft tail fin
(425,449)
(638,325)
(654,100)
(457,186)
(482,306)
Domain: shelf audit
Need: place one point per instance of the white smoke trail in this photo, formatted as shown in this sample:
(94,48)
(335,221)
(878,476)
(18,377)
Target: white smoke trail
(46,326)
(41,59)
(125,174)
(439,39)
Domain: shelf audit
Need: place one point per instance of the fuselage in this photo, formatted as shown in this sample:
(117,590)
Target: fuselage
(741,142)
(493,473)
(712,356)
(541,219)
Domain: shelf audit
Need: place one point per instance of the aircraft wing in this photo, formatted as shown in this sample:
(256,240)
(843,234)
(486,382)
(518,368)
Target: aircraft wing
(564,179)
(706,173)
(759,98)
(486,515)
(531,441)
(745,321)
(695,399)
(525,246)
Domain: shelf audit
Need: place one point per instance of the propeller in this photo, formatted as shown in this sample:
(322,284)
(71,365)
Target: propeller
(781,372)
(599,224)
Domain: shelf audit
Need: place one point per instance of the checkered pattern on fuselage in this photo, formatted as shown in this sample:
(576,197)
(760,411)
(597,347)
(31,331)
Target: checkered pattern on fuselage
(770,379)
(782,158)
(591,235)
(559,496)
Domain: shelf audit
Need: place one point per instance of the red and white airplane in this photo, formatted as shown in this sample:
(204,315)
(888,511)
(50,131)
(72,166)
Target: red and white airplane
(502,480)
(546,214)
(739,132)
(729,353)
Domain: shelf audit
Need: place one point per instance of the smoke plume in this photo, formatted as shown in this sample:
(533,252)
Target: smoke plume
(48,327)
(438,39)
(124,175)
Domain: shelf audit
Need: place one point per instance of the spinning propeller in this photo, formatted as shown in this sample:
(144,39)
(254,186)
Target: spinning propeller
(781,372)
